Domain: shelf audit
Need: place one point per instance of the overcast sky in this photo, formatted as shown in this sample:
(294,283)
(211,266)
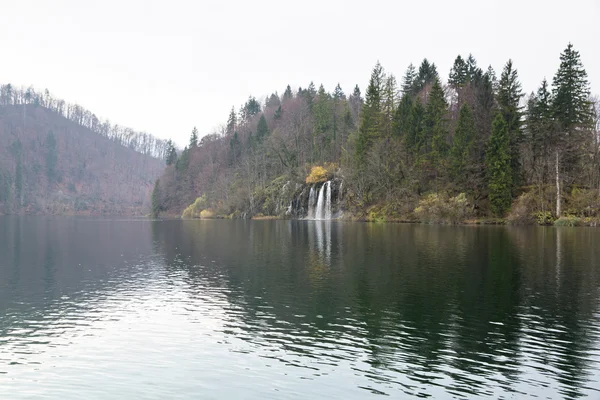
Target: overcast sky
(166,66)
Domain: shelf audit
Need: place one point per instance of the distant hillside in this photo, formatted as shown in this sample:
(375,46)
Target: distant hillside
(50,163)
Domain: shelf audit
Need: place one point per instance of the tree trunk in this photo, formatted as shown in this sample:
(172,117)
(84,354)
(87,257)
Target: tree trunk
(558,204)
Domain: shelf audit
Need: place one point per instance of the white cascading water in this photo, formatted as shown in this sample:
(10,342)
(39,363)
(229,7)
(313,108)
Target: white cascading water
(323,206)
(312,202)
(320,214)
(328,201)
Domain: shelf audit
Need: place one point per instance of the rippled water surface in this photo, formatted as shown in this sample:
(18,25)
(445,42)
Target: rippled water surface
(107,309)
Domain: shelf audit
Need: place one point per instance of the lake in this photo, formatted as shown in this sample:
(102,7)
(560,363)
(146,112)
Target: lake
(135,309)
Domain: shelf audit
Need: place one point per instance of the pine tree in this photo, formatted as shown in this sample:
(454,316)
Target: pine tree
(370,127)
(539,132)
(458,73)
(471,68)
(401,121)
(288,93)
(571,110)
(509,99)
(338,93)
(231,122)
(171,153)
(234,149)
(408,79)
(435,126)
(262,129)
(427,74)
(356,103)
(414,129)
(156,199)
(463,143)
(499,174)
(194,138)
(390,102)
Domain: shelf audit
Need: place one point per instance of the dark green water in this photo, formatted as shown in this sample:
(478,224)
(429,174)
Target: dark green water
(100,309)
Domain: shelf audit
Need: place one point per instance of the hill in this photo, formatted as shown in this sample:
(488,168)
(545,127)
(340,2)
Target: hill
(54,162)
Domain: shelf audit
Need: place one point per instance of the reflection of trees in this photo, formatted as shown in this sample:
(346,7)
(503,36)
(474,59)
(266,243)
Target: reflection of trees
(413,300)
(53,266)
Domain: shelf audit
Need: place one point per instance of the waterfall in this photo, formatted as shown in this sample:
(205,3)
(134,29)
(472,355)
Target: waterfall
(323,209)
(320,214)
(312,202)
(328,201)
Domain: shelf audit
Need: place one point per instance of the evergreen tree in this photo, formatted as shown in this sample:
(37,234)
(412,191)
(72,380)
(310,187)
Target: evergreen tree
(427,74)
(156,199)
(277,114)
(231,122)
(194,138)
(414,130)
(288,93)
(338,93)
(262,129)
(498,167)
(540,130)
(356,102)
(572,112)
(250,109)
(370,127)
(570,89)
(435,127)
(463,143)
(171,153)
(408,79)
(471,68)
(509,99)
(401,121)
(273,100)
(389,104)
(458,73)
(234,149)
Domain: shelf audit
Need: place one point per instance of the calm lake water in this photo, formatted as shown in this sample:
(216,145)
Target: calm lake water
(106,309)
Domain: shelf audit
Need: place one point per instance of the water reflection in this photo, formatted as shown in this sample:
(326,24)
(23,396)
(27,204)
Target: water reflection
(297,309)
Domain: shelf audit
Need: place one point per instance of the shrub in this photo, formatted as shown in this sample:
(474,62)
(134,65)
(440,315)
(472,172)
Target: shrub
(533,206)
(208,213)
(317,175)
(195,209)
(570,220)
(438,208)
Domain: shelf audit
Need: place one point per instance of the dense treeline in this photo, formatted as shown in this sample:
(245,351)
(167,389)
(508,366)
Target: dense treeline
(141,142)
(407,150)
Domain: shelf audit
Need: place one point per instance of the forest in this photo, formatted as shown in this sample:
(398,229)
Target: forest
(58,158)
(469,146)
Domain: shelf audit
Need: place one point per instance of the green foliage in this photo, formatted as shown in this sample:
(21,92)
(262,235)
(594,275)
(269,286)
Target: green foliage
(498,166)
(183,161)
(156,206)
(370,127)
(463,142)
(195,209)
(570,90)
(171,153)
(439,208)
(433,140)
(194,138)
(262,129)
(509,99)
(458,73)
(568,221)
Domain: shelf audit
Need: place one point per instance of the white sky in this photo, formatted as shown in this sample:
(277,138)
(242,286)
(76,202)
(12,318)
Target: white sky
(165,66)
